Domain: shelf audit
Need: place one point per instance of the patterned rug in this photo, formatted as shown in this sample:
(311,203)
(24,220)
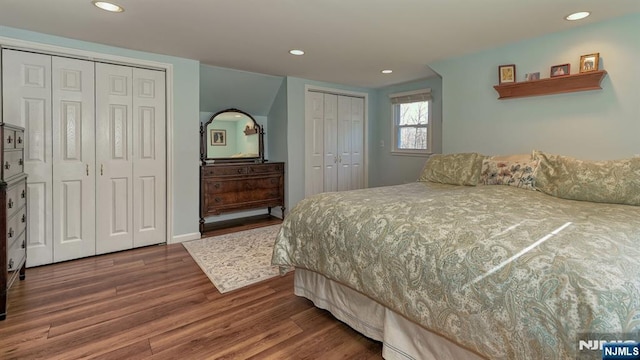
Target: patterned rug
(232,261)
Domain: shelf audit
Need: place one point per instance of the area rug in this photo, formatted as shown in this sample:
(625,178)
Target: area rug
(232,261)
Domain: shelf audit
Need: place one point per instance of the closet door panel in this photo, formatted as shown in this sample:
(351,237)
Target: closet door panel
(114,200)
(27,103)
(344,136)
(330,135)
(314,142)
(357,143)
(73,158)
(149,159)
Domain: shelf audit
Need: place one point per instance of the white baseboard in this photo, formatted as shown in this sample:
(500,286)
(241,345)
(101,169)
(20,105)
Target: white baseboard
(185,237)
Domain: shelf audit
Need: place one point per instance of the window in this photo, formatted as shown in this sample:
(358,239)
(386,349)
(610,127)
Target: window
(411,122)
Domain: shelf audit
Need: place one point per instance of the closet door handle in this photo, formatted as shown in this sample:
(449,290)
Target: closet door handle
(87,169)
(101,169)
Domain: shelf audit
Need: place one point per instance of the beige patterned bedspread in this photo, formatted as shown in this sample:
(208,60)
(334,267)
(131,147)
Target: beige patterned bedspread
(506,272)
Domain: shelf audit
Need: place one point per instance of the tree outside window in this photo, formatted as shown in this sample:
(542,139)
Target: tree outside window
(412,122)
(412,126)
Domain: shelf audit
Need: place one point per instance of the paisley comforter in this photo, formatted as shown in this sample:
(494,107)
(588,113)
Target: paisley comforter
(506,272)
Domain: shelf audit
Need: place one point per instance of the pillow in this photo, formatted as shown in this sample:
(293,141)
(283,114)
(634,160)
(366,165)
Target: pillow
(613,181)
(513,158)
(455,169)
(517,173)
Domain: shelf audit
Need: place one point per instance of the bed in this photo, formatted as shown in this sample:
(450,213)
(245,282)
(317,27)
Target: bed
(451,268)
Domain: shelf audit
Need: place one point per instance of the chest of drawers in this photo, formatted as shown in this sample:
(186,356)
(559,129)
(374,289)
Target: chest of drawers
(234,187)
(13,211)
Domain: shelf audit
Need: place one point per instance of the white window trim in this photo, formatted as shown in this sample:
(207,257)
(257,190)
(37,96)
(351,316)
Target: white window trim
(406,97)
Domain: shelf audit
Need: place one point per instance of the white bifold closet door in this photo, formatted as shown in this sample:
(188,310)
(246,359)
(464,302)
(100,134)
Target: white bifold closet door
(26,102)
(334,143)
(130,156)
(94,153)
(73,121)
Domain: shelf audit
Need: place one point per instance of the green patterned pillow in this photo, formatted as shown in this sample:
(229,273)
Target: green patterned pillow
(455,169)
(613,181)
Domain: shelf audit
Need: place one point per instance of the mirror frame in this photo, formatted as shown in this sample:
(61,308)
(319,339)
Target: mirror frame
(203,142)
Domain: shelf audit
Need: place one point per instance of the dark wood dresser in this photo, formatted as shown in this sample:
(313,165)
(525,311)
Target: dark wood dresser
(240,186)
(13,214)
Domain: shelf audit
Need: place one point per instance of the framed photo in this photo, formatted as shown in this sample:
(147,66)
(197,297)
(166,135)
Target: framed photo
(532,76)
(560,70)
(219,137)
(589,62)
(506,74)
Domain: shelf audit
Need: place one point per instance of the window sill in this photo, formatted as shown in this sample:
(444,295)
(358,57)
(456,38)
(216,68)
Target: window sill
(410,153)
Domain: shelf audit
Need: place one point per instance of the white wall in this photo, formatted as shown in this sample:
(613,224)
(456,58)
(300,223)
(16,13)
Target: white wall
(601,124)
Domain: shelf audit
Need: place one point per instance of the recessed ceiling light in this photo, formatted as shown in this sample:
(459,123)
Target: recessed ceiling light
(296,52)
(387,71)
(108,6)
(577,15)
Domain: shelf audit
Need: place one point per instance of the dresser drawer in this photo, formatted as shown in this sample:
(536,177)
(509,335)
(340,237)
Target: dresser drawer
(265,168)
(13,163)
(224,170)
(222,186)
(16,197)
(9,139)
(16,225)
(16,253)
(19,143)
(244,198)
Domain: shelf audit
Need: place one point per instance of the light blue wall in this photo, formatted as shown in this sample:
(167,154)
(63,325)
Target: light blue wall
(600,124)
(389,169)
(296,131)
(278,120)
(186,95)
(222,88)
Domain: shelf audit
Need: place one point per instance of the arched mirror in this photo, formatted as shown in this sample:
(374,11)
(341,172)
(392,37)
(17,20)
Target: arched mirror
(231,135)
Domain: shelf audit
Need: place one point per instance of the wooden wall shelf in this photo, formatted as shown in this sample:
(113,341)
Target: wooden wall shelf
(557,85)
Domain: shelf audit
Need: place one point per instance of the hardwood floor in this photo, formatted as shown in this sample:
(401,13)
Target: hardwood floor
(156,303)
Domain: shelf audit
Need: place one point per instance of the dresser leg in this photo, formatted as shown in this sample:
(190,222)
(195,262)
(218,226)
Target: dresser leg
(23,271)
(283,208)
(3,305)
(201,225)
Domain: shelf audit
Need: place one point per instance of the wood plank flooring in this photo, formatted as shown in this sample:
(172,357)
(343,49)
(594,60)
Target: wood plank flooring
(155,303)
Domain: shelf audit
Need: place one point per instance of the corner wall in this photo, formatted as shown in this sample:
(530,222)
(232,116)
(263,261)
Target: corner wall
(390,169)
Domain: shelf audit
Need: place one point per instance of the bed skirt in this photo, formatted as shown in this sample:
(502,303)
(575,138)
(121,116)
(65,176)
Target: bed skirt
(400,337)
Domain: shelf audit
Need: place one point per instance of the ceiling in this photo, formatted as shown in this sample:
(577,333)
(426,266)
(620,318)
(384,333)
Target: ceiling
(346,41)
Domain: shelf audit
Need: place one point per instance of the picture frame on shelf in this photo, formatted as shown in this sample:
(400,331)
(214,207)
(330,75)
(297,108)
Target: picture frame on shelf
(560,70)
(589,62)
(532,76)
(218,137)
(506,74)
